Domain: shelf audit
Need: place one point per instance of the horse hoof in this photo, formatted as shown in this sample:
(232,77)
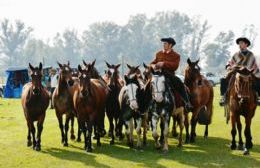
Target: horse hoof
(240,147)
(37,148)
(29,143)
(250,145)
(179,146)
(187,141)
(78,140)
(112,142)
(165,152)
(121,137)
(89,149)
(144,143)
(98,144)
(205,137)
(103,133)
(246,152)
(95,137)
(175,134)
(66,144)
(233,146)
(72,137)
(192,140)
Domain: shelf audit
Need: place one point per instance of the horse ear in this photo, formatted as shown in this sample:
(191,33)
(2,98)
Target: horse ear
(145,66)
(136,68)
(31,67)
(197,61)
(93,63)
(128,66)
(152,71)
(108,65)
(60,65)
(68,63)
(189,61)
(85,63)
(79,68)
(126,78)
(40,66)
(118,65)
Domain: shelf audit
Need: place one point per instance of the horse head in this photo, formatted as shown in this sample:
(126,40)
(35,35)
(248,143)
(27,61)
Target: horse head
(91,68)
(36,75)
(84,78)
(192,72)
(158,85)
(66,73)
(132,89)
(147,72)
(113,74)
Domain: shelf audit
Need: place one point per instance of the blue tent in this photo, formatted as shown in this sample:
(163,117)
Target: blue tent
(17,77)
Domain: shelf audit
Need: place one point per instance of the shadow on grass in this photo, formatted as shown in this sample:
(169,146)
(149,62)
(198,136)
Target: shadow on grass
(213,152)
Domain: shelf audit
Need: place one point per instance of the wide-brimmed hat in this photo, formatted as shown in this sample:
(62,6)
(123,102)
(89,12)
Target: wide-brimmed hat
(244,39)
(169,40)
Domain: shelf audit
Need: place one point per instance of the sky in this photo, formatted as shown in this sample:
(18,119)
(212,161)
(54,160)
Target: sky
(47,17)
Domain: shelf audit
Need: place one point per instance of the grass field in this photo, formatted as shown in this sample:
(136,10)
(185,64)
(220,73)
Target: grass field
(213,152)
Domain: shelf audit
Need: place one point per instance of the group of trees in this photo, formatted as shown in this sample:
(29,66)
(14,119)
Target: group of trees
(134,43)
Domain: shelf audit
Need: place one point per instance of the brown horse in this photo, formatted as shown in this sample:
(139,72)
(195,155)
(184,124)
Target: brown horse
(242,101)
(63,103)
(114,83)
(201,98)
(35,101)
(89,102)
(94,74)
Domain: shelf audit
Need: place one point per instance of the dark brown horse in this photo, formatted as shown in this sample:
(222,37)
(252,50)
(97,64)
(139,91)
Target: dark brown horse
(35,101)
(94,74)
(63,103)
(114,84)
(89,102)
(201,98)
(242,101)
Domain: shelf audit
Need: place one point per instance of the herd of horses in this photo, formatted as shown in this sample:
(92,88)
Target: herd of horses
(138,102)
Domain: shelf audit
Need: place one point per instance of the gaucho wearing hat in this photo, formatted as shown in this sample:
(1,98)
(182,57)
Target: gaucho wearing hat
(168,61)
(244,58)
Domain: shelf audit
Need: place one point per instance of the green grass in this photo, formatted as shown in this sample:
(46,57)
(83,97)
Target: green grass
(213,152)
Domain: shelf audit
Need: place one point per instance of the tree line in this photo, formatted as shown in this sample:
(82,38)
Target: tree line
(134,43)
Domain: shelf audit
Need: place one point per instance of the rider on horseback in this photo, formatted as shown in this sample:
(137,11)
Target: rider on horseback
(242,58)
(168,60)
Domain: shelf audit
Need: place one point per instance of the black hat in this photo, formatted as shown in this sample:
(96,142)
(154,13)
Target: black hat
(244,39)
(169,40)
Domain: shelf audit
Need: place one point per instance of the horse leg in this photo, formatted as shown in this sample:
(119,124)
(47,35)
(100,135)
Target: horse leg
(239,128)
(84,131)
(79,133)
(233,132)
(145,125)
(138,131)
(166,133)
(206,132)
(161,140)
(174,131)
(248,136)
(181,125)
(186,124)
(154,131)
(33,135)
(193,128)
(68,117)
(72,135)
(89,129)
(29,140)
(111,130)
(59,116)
(98,131)
(39,133)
